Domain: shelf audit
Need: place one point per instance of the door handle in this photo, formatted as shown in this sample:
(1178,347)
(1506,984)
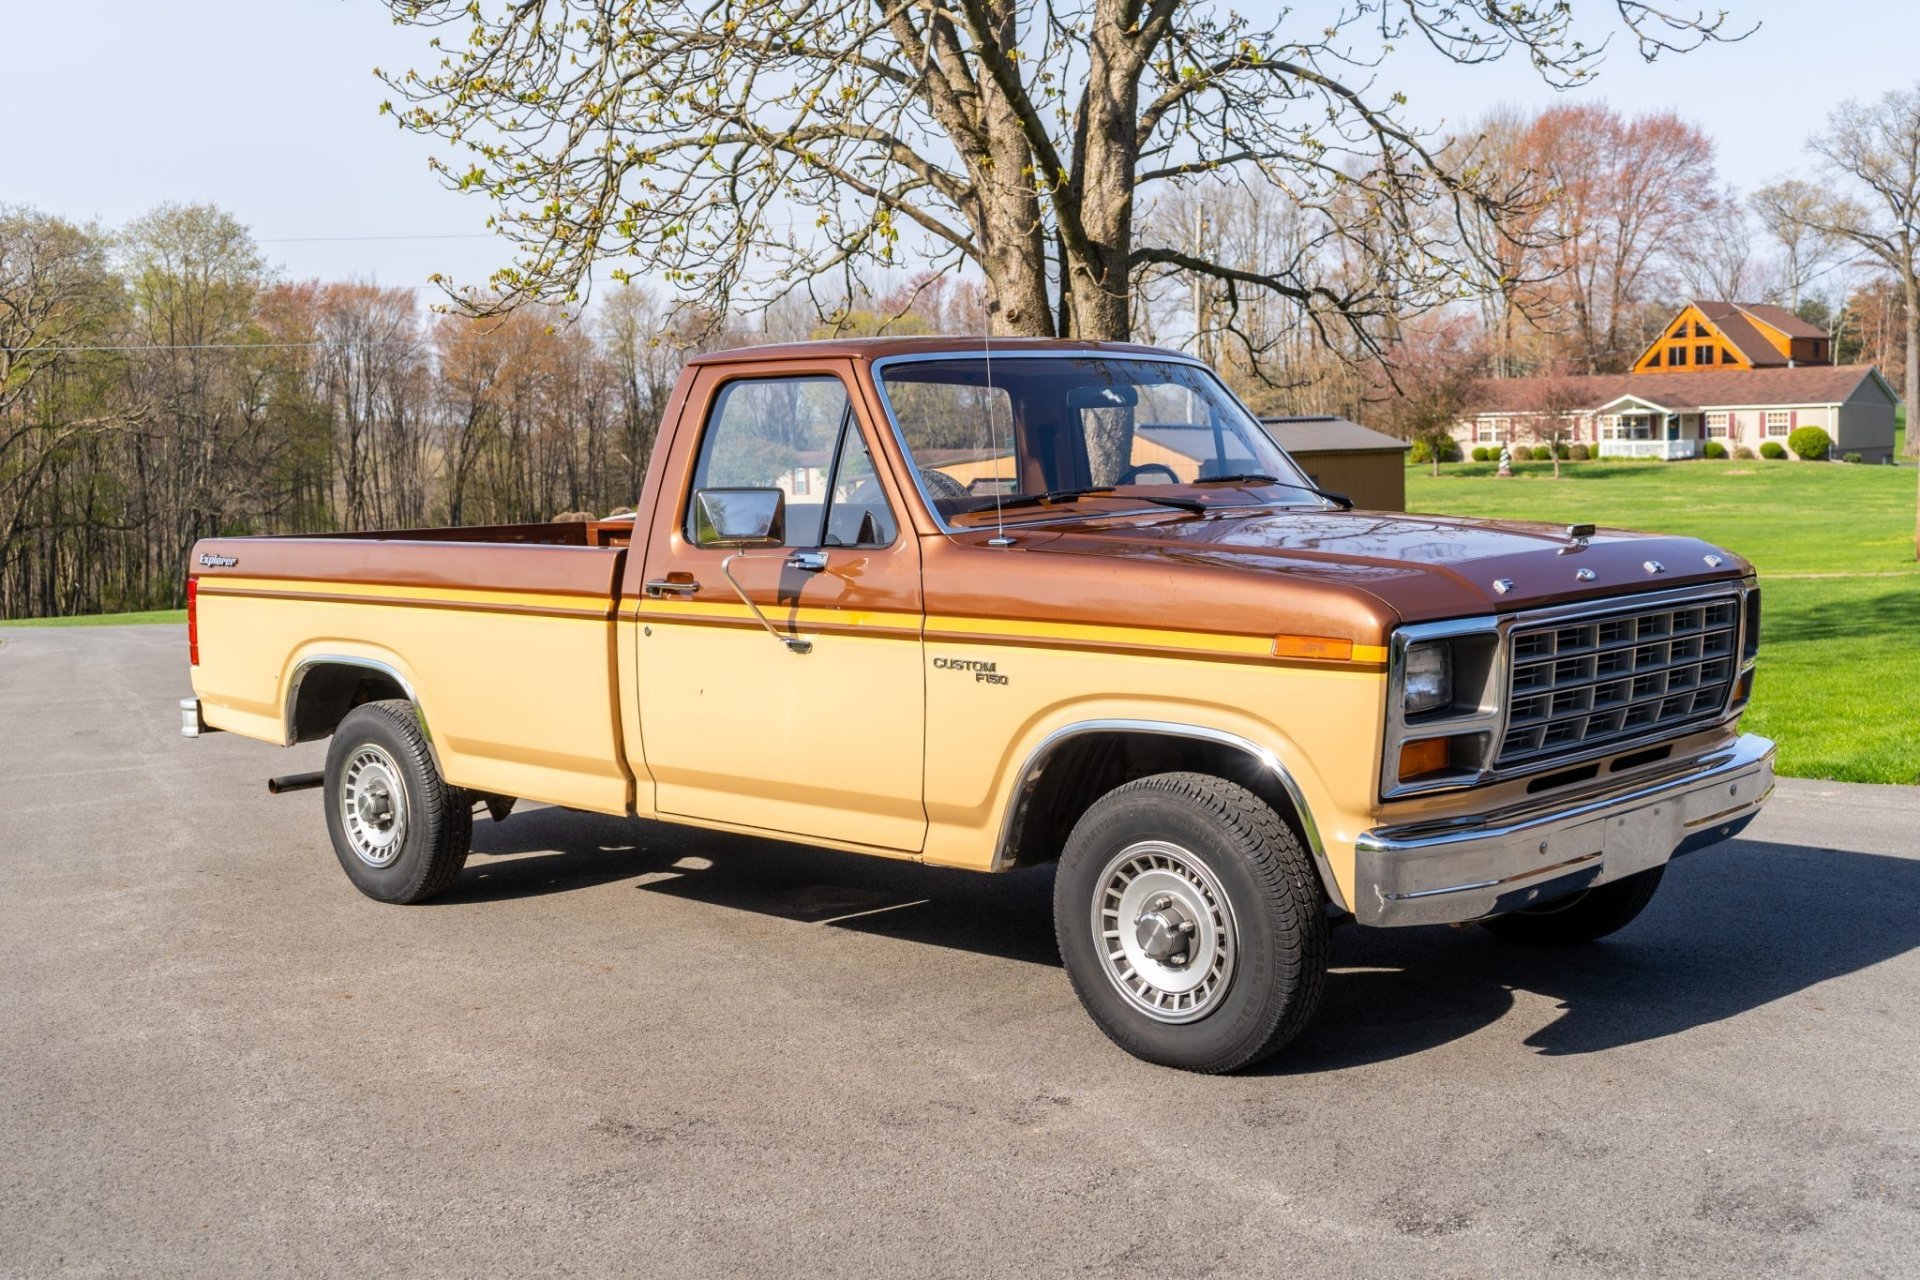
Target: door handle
(808,561)
(671,587)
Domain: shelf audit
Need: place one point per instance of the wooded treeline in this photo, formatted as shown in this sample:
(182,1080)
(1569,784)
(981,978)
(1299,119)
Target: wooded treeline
(158,385)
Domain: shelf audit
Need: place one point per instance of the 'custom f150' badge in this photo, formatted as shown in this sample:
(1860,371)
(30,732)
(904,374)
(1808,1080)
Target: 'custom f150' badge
(983,672)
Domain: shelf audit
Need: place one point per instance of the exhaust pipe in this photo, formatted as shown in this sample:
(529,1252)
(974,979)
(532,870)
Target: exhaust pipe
(295,782)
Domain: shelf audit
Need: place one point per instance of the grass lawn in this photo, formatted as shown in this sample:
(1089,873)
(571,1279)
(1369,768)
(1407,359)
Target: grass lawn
(1839,676)
(178,616)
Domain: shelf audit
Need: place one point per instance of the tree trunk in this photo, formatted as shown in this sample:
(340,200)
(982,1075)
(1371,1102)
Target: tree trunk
(1101,193)
(1012,236)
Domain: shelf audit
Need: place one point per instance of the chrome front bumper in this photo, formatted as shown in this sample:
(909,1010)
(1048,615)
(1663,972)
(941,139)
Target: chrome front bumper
(1465,868)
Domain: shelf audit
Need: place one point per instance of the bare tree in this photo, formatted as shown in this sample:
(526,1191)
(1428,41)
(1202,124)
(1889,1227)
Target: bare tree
(1439,368)
(194,274)
(1871,154)
(1789,212)
(644,362)
(702,141)
(1623,193)
(1556,403)
(53,282)
(1717,259)
(369,372)
(1510,245)
(57,297)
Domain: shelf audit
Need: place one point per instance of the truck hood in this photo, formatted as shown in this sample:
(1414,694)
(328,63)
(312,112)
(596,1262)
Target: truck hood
(1421,567)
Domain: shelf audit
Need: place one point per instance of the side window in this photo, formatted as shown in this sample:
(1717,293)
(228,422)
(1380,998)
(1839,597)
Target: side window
(776,433)
(797,435)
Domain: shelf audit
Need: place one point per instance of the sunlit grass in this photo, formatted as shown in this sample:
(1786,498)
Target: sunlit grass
(173,616)
(1839,677)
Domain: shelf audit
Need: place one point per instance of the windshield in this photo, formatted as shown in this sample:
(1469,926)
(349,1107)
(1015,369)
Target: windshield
(1062,427)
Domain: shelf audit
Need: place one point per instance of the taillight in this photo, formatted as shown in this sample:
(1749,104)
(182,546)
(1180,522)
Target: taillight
(193,622)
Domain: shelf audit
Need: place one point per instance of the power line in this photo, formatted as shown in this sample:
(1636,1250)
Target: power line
(463,235)
(209,346)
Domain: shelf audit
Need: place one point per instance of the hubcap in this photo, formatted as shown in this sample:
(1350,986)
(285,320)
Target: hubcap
(373,806)
(1165,931)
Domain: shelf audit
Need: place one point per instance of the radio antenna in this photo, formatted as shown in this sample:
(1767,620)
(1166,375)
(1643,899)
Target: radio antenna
(999,538)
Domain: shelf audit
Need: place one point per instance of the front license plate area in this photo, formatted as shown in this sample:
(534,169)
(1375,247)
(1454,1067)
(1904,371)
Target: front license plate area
(1642,839)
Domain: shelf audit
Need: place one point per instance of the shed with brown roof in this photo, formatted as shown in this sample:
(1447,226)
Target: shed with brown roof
(1345,457)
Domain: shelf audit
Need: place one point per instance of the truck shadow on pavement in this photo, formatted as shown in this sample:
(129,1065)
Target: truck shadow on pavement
(545,851)
(1733,928)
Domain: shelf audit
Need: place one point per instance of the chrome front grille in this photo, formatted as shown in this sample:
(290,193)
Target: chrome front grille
(1618,676)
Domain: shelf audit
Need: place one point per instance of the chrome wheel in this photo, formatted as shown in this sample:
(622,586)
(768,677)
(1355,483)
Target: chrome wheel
(1166,932)
(373,806)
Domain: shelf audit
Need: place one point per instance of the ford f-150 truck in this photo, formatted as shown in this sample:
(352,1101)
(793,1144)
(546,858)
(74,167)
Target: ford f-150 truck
(993,606)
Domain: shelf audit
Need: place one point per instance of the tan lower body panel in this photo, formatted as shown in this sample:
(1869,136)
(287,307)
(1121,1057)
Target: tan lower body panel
(1322,723)
(822,745)
(873,742)
(522,703)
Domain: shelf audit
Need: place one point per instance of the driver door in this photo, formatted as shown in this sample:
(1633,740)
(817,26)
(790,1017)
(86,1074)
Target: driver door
(738,727)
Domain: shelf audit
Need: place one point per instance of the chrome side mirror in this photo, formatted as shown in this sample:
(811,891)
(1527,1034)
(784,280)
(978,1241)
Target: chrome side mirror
(739,517)
(742,518)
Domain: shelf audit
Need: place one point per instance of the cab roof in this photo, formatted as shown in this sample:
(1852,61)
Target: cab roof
(959,345)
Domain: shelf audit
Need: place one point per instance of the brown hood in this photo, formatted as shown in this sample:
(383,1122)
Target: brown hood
(1417,568)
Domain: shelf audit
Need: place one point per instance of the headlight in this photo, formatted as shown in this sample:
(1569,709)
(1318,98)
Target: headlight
(1429,676)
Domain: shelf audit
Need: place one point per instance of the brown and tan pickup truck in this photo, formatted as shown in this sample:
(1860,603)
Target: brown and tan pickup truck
(1046,602)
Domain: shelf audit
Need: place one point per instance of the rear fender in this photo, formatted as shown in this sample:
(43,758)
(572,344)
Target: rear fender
(386,671)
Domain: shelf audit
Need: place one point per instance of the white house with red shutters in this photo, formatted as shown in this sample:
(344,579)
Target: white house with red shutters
(1738,373)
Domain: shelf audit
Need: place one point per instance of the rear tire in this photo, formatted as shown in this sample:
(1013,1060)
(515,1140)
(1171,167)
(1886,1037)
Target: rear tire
(1191,922)
(1586,916)
(400,832)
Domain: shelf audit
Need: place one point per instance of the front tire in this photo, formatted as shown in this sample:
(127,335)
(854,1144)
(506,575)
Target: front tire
(401,833)
(1191,922)
(1586,916)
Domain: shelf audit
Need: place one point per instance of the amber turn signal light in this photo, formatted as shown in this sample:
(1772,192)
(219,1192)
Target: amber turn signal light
(1316,648)
(1428,755)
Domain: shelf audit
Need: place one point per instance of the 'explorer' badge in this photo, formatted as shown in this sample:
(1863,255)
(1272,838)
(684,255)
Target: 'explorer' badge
(210,561)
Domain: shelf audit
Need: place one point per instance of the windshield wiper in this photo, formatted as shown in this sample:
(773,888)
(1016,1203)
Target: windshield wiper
(1340,500)
(1183,504)
(1044,499)
(1243,477)
(1055,497)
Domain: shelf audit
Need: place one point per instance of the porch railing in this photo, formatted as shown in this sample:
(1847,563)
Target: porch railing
(1665,450)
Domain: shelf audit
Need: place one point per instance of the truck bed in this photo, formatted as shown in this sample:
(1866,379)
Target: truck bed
(523,613)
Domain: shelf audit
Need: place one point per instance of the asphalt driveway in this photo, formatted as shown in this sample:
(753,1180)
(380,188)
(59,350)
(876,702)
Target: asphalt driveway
(622,1047)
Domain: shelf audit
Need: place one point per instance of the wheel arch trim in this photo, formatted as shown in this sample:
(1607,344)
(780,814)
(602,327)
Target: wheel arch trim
(314,661)
(1027,782)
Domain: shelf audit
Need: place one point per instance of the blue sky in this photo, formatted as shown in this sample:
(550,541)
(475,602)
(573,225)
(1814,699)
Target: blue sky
(268,108)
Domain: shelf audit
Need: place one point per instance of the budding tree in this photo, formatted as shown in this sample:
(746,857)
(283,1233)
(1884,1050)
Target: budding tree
(731,148)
